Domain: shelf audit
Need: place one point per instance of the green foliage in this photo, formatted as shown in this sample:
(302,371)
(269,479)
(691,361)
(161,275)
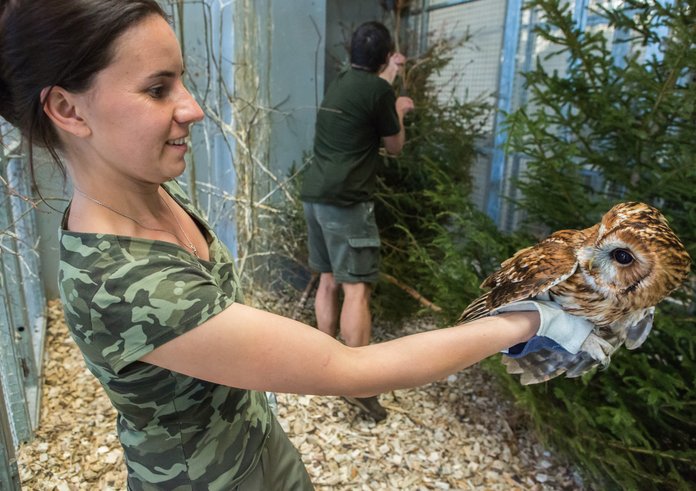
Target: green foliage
(629,124)
(608,131)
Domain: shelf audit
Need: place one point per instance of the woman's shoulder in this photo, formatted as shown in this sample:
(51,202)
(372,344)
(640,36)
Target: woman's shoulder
(176,189)
(101,264)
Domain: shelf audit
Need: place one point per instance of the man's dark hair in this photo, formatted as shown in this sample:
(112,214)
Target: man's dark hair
(370,46)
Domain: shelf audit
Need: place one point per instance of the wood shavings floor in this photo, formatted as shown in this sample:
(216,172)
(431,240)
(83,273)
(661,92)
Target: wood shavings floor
(457,434)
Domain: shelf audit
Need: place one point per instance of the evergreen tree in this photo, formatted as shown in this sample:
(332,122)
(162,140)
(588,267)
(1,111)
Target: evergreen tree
(615,130)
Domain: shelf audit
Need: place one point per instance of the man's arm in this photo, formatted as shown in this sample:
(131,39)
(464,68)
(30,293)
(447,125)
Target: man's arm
(395,143)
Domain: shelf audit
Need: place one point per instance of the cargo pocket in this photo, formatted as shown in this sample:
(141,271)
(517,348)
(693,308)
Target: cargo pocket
(363,258)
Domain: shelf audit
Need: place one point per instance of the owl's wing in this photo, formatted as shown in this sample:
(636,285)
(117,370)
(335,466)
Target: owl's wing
(534,270)
(476,309)
(638,332)
(529,273)
(545,364)
(537,367)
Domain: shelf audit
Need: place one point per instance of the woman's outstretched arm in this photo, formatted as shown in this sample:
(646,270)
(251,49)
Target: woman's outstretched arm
(249,348)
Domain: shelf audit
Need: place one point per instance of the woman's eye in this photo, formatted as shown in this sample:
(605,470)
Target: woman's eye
(156,92)
(622,256)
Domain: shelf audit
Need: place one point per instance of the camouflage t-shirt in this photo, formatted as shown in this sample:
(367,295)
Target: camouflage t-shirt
(123,297)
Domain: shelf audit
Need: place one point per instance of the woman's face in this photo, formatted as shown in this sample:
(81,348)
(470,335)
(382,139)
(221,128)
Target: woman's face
(138,110)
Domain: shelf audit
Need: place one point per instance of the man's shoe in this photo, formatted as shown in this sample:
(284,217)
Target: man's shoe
(370,406)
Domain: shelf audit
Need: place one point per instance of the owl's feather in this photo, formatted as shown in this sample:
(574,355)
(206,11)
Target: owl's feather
(613,274)
(637,333)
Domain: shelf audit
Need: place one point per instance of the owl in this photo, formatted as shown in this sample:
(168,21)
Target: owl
(613,274)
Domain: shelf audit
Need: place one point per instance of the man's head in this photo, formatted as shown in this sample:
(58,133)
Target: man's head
(371,46)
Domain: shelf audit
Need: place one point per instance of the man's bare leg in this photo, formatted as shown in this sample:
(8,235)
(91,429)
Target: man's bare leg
(356,328)
(326,304)
(356,320)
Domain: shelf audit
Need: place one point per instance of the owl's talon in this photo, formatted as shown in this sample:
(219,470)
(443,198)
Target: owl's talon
(598,349)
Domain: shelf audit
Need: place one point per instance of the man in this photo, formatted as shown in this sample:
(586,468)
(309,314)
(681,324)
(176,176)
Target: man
(360,111)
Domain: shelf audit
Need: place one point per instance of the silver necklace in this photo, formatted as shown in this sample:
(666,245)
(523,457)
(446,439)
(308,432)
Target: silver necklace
(188,243)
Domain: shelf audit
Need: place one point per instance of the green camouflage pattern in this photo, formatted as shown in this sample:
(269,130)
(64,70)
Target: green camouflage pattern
(123,297)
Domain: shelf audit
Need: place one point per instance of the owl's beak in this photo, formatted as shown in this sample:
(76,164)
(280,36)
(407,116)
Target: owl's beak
(589,264)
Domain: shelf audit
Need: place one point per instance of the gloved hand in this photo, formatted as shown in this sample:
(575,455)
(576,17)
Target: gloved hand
(560,328)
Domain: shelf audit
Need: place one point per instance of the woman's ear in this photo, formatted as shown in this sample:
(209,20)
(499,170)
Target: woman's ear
(61,107)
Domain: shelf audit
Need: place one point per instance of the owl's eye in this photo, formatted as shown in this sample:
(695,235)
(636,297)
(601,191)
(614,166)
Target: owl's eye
(622,256)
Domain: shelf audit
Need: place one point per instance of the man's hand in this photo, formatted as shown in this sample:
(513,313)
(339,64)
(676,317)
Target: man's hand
(404,105)
(395,65)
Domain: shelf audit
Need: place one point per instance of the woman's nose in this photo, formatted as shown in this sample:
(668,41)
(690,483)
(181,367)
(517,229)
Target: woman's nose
(188,110)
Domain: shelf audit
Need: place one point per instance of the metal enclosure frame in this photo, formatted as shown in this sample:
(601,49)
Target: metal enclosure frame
(22,315)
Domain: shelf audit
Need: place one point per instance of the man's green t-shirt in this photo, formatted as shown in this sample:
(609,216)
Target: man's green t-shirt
(123,297)
(357,111)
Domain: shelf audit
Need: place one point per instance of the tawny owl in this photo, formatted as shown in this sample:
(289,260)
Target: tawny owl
(613,274)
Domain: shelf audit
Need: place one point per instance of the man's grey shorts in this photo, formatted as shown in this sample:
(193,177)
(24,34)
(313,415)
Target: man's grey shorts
(343,240)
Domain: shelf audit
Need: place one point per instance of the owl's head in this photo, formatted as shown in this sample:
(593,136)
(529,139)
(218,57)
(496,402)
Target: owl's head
(634,253)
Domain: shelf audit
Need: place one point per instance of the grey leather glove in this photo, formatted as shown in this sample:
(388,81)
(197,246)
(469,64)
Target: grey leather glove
(567,330)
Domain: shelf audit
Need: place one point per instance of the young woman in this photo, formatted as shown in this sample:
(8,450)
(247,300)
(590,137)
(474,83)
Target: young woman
(150,294)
